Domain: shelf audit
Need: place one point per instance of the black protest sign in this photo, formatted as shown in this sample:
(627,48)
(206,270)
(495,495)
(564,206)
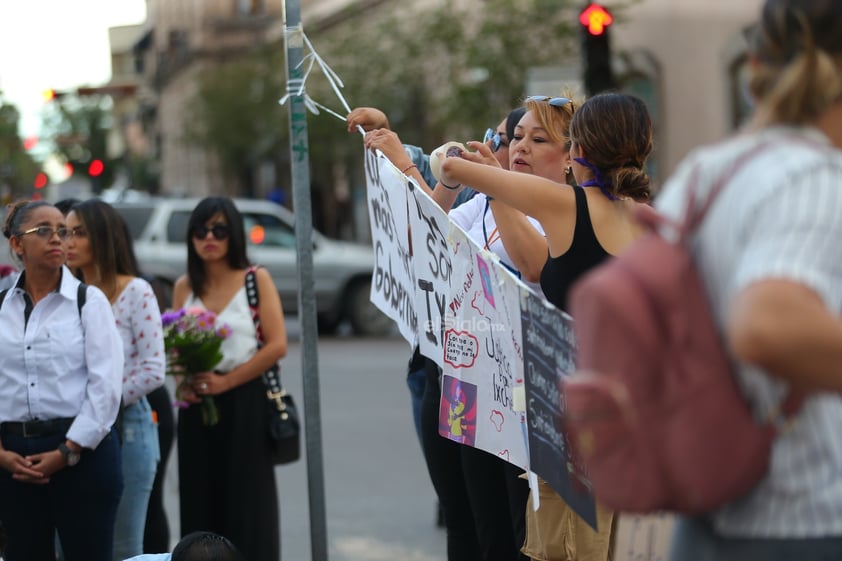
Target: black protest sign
(549,354)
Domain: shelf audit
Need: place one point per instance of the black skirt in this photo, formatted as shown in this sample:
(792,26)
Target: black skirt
(226,476)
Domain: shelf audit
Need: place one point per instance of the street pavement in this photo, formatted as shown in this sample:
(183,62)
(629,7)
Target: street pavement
(379,501)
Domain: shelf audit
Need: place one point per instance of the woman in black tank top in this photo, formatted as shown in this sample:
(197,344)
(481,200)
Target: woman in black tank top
(611,138)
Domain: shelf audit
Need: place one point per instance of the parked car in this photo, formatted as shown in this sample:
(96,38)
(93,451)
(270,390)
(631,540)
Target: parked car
(342,270)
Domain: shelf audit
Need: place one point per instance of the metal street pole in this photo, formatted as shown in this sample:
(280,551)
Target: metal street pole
(300,162)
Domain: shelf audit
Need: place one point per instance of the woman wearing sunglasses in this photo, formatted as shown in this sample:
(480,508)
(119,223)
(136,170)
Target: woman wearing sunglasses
(226,475)
(610,140)
(61,362)
(101,254)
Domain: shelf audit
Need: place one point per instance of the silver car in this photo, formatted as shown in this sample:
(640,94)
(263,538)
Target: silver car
(342,270)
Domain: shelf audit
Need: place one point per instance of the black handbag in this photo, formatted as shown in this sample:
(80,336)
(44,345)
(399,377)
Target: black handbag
(283,422)
(284,425)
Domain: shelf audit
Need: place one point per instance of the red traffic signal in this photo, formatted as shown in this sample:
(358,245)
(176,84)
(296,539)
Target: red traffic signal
(596,19)
(96,168)
(41,180)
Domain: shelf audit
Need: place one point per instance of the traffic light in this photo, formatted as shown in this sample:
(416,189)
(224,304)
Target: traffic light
(41,180)
(95,171)
(596,21)
(96,168)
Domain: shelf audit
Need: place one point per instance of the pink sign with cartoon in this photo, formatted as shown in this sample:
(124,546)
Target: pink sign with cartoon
(482,362)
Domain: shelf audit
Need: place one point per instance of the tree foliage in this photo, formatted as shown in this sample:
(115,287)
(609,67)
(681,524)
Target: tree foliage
(235,113)
(445,70)
(79,128)
(451,69)
(17,168)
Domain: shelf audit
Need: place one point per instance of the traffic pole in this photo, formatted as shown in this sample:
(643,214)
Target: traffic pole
(300,163)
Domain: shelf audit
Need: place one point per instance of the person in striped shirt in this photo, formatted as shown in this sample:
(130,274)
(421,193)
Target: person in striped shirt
(770,254)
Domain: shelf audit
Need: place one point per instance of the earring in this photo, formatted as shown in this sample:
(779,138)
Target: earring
(566,170)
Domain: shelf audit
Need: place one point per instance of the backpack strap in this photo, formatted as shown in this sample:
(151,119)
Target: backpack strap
(81,297)
(782,416)
(271,378)
(694,214)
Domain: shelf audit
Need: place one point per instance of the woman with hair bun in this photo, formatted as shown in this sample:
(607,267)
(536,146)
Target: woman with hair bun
(769,253)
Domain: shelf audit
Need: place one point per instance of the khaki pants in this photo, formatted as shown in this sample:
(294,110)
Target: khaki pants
(556,533)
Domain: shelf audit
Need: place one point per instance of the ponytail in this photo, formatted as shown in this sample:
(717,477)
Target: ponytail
(796,73)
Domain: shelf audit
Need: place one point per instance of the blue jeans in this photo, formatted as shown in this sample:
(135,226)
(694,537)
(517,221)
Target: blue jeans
(140,461)
(695,540)
(80,502)
(416,380)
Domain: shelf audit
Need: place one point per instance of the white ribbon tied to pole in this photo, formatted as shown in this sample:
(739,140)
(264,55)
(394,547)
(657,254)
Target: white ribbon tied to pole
(298,86)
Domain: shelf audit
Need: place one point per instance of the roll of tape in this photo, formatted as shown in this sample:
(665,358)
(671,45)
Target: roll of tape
(439,154)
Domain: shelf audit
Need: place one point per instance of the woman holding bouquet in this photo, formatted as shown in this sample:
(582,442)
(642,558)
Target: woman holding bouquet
(61,363)
(101,254)
(226,474)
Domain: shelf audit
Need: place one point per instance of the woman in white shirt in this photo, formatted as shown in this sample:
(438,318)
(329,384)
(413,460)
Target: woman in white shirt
(61,362)
(101,255)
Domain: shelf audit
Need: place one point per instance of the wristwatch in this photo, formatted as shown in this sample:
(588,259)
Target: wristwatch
(70,457)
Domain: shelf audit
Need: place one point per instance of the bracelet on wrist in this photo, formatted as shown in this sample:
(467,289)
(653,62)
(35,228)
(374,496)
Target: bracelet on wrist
(453,188)
(407,168)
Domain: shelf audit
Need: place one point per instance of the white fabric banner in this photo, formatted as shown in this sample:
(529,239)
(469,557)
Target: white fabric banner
(393,279)
(496,340)
(461,306)
(429,227)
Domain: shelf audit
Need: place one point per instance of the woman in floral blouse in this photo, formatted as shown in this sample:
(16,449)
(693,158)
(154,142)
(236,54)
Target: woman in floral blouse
(100,254)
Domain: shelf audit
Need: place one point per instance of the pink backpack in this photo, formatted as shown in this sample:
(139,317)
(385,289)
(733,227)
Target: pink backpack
(654,411)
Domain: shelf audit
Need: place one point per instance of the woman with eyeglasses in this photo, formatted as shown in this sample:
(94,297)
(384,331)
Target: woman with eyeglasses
(100,254)
(610,139)
(61,363)
(226,475)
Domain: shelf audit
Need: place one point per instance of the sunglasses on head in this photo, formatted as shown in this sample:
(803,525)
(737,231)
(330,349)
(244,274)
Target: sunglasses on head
(554,101)
(219,231)
(496,140)
(47,232)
